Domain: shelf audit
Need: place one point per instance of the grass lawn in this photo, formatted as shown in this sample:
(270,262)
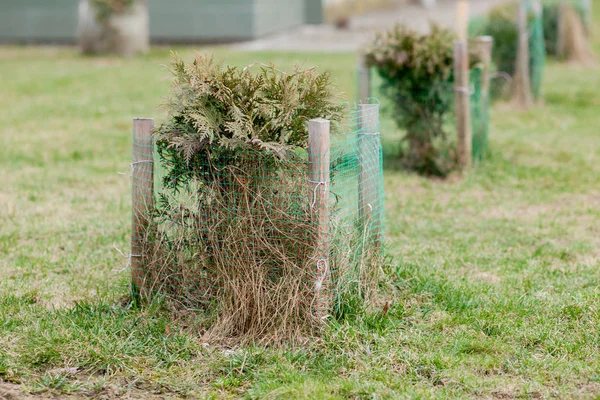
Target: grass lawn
(498,272)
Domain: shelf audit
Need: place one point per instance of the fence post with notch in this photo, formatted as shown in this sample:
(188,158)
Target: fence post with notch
(364,80)
(142,200)
(319,143)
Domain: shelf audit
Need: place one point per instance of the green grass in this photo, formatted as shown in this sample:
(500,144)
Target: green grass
(498,273)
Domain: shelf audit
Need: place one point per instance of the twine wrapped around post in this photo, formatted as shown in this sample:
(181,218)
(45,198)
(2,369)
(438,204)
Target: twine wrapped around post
(142,178)
(319,142)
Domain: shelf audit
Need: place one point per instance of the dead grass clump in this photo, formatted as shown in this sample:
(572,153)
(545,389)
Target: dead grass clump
(575,44)
(239,247)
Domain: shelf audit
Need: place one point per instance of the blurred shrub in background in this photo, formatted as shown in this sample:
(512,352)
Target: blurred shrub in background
(417,75)
(501,24)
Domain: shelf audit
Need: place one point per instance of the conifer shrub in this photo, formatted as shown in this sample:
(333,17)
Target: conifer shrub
(417,75)
(502,26)
(233,231)
(551,27)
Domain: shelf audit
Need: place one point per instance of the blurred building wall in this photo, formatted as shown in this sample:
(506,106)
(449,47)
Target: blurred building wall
(276,15)
(201,20)
(28,20)
(313,11)
(170,20)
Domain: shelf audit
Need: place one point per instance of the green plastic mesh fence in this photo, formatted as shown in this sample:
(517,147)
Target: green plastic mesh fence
(480,114)
(537,49)
(263,246)
(431,110)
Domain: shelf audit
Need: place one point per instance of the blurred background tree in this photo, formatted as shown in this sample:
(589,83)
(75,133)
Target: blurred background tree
(114,26)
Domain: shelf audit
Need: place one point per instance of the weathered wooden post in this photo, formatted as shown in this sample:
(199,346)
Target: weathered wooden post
(364,80)
(318,177)
(142,197)
(522,82)
(484,46)
(462,19)
(462,89)
(561,50)
(369,168)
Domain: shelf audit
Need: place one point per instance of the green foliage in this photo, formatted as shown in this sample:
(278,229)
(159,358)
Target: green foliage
(551,28)
(217,115)
(417,76)
(105,8)
(502,27)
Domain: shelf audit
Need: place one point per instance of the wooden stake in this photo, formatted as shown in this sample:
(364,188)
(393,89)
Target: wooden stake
(462,103)
(561,50)
(522,82)
(462,19)
(364,80)
(369,164)
(142,196)
(318,175)
(484,46)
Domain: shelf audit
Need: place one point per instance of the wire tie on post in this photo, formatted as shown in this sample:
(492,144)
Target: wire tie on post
(502,75)
(317,184)
(133,164)
(464,89)
(369,133)
(129,257)
(322,270)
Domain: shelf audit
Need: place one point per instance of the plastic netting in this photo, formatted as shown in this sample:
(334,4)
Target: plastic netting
(480,114)
(432,110)
(262,242)
(537,49)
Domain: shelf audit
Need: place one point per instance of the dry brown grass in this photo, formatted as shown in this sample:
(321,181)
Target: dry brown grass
(239,247)
(575,42)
